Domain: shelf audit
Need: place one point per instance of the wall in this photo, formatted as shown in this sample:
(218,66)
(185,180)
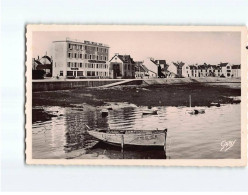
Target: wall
(59,54)
(71,84)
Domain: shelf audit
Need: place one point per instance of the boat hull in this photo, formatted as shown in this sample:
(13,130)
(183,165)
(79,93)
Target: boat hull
(134,138)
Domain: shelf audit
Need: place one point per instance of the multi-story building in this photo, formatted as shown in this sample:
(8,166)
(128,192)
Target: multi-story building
(80,59)
(204,70)
(122,66)
(207,70)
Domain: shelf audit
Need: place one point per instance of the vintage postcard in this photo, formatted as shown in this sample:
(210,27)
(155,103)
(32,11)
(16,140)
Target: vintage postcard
(136,95)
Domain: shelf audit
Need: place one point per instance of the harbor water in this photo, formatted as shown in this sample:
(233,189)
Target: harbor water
(200,136)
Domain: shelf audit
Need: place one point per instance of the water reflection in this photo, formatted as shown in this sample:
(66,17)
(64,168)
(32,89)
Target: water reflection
(189,136)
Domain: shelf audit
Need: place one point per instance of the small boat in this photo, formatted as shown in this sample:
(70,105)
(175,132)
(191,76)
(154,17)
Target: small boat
(130,137)
(194,111)
(151,111)
(215,104)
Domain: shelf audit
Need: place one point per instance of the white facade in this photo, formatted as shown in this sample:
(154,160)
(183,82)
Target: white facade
(79,59)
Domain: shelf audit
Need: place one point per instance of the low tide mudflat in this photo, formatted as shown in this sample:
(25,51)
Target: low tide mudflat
(165,95)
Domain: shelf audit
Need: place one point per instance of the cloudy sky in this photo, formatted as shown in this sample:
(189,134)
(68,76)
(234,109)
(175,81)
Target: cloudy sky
(189,47)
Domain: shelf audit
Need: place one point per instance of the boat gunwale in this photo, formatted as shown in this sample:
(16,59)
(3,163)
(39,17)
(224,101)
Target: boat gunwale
(135,132)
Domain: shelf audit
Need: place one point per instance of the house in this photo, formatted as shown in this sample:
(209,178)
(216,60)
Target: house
(152,66)
(236,70)
(159,68)
(178,69)
(45,63)
(121,66)
(141,71)
(226,69)
(203,70)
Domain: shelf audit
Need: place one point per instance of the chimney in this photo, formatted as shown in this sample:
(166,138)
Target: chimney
(38,57)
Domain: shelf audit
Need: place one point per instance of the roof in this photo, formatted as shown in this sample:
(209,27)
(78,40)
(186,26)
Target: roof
(47,57)
(83,42)
(160,61)
(42,67)
(141,68)
(204,67)
(38,62)
(223,64)
(238,66)
(192,67)
(124,58)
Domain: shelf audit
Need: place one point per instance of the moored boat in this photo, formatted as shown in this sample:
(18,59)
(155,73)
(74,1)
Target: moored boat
(194,110)
(131,137)
(150,111)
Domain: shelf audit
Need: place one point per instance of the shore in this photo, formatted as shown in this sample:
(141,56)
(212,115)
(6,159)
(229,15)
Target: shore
(151,95)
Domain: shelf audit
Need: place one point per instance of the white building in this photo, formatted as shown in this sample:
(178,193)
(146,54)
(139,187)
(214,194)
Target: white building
(80,59)
(236,70)
(122,66)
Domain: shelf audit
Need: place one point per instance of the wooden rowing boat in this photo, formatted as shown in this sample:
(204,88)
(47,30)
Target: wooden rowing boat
(131,137)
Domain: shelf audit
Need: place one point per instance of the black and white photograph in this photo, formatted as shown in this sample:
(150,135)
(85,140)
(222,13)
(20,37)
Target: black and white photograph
(136,94)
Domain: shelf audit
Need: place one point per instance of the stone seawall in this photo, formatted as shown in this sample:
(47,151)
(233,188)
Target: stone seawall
(51,85)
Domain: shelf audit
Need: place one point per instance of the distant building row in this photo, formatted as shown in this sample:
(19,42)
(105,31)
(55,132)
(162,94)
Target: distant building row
(85,59)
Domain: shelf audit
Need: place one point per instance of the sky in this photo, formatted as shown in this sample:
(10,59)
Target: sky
(189,47)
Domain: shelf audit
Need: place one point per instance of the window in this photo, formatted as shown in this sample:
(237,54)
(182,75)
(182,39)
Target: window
(105,58)
(81,65)
(90,57)
(69,73)
(80,55)
(97,49)
(68,64)
(75,55)
(96,65)
(97,57)
(75,64)
(61,73)
(228,70)
(80,73)
(70,46)
(85,56)
(128,67)
(69,55)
